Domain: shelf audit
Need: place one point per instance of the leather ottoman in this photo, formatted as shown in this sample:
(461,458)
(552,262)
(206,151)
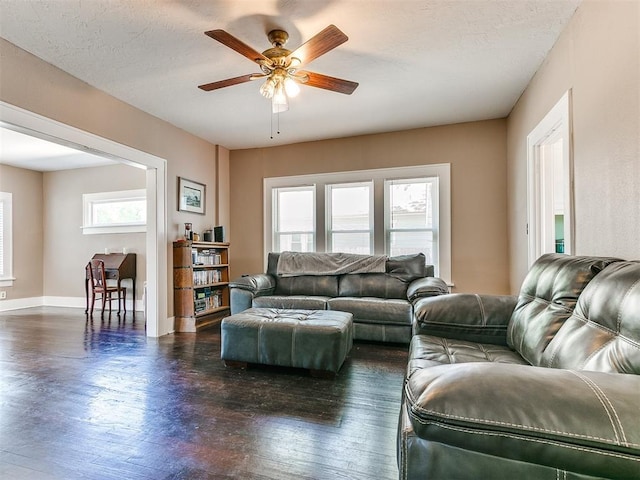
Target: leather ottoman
(318,340)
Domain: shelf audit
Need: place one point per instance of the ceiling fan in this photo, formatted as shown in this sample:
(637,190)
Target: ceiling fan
(281,67)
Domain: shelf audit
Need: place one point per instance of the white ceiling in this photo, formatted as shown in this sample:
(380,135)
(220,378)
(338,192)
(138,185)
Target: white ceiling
(26,151)
(419,62)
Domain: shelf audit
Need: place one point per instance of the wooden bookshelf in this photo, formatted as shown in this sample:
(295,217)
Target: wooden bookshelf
(200,284)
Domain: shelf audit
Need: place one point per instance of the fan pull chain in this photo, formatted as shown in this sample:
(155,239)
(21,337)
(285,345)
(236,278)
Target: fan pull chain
(277,125)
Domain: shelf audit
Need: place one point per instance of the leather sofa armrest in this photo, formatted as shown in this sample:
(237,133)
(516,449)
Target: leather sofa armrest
(579,421)
(426,287)
(259,284)
(464,316)
(243,290)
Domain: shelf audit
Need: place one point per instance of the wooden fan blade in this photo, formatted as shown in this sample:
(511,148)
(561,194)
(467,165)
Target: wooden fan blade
(237,45)
(226,83)
(326,40)
(329,83)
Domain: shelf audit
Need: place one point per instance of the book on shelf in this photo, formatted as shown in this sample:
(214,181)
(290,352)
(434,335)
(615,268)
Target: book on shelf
(207,299)
(204,277)
(205,257)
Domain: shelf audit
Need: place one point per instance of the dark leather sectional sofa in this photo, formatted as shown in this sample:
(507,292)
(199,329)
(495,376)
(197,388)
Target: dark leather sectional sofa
(544,385)
(381,303)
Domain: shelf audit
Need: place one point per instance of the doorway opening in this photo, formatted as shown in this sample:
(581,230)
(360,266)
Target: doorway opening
(550,183)
(156,246)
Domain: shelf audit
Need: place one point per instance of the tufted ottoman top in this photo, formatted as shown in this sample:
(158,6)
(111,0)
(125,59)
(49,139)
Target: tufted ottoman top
(299,318)
(312,339)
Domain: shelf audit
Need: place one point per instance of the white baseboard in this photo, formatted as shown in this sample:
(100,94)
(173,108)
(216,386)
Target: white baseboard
(70,302)
(18,303)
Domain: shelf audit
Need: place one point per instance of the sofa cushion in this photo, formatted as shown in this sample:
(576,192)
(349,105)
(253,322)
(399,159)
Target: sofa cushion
(372,285)
(400,272)
(294,302)
(583,422)
(547,298)
(428,351)
(603,333)
(374,310)
(407,267)
(326,285)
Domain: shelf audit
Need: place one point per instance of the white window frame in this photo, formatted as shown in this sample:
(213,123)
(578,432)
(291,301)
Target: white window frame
(556,124)
(89,199)
(434,229)
(442,171)
(329,217)
(274,220)
(6,204)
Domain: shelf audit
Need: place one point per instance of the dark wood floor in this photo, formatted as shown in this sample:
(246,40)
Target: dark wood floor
(100,400)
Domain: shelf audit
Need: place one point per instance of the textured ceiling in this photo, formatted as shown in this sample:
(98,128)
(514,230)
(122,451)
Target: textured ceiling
(419,63)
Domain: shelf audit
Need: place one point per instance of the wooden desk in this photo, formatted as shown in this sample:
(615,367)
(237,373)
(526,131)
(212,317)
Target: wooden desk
(117,266)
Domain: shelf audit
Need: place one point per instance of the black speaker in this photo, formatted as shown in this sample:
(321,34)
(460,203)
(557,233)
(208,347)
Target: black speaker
(218,234)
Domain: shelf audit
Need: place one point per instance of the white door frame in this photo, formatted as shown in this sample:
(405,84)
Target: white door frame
(556,123)
(157,322)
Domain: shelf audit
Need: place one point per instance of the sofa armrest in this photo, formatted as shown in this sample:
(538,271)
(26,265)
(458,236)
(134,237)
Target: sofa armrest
(244,289)
(258,284)
(578,421)
(465,316)
(426,287)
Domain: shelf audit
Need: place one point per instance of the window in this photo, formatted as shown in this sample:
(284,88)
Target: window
(115,212)
(293,219)
(393,211)
(350,218)
(411,217)
(6,225)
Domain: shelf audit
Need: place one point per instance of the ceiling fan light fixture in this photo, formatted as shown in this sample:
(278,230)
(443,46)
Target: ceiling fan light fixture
(268,87)
(279,102)
(291,87)
(279,66)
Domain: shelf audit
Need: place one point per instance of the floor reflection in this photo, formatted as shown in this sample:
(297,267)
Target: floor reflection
(97,398)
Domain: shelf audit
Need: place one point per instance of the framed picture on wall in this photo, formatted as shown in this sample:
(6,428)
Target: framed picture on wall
(191,196)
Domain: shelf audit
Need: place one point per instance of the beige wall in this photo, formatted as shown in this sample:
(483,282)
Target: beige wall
(66,249)
(476,152)
(26,189)
(598,57)
(34,85)
(224,195)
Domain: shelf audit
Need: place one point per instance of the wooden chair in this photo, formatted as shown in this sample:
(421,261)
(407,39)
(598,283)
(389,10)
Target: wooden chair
(98,286)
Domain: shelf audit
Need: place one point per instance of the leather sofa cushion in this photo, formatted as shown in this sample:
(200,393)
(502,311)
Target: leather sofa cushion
(428,351)
(559,418)
(326,285)
(372,285)
(291,302)
(547,298)
(374,310)
(317,285)
(407,267)
(603,333)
